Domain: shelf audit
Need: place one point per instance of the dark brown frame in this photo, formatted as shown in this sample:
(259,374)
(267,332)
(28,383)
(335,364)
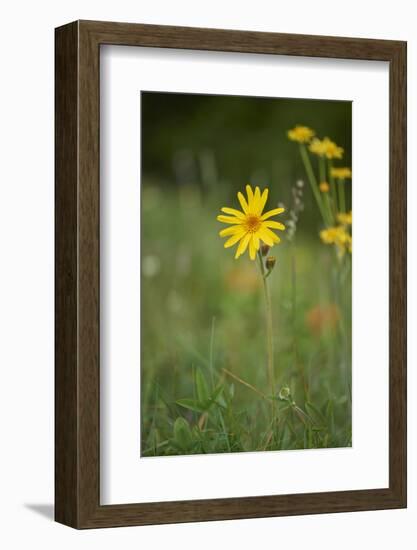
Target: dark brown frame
(77,274)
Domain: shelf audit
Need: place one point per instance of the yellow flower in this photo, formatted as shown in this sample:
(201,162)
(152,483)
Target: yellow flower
(324,187)
(317,146)
(345,219)
(326,148)
(302,134)
(339,237)
(341,173)
(349,244)
(331,150)
(250,227)
(328,236)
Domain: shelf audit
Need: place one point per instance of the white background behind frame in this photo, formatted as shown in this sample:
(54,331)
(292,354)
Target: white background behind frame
(125,477)
(28,485)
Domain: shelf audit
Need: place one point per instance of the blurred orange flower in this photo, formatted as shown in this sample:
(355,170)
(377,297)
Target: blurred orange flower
(321,318)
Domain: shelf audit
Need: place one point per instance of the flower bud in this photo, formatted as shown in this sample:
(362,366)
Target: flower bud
(270,263)
(264,249)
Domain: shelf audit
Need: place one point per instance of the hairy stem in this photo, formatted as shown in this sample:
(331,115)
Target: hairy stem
(313,182)
(269,333)
(342,200)
(333,190)
(326,199)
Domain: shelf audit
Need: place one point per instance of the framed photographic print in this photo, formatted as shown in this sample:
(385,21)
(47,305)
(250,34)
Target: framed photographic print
(230,274)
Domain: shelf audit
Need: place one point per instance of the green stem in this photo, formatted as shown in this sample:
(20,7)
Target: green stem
(298,365)
(322,169)
(313,181)
(326,199)
(333,189)
(342,200)
(329,209)
(269,332)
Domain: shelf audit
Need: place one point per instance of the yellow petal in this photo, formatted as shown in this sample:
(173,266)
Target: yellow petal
(275,225)
(233,240)
(268,236)
(233,212)
(255,238)
(231,230)
(243,202)
(252,249)
(228,219)
(271,213)
(263,235)
(256,198)
(249,192)
(262,202)
(243,245)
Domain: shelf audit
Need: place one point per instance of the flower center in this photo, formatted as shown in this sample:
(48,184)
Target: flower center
(252,223)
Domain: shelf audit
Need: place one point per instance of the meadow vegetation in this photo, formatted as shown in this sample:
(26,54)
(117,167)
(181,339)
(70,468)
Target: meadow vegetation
(204,356)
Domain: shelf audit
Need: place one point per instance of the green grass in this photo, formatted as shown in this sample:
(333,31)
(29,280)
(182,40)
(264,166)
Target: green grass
(204,383)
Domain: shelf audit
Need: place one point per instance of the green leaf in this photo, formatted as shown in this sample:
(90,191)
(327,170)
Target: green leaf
(191,404)
(216,392)
(203,393)
(310,438)
(330,414)
(182,433)
(329,410)
(221,401)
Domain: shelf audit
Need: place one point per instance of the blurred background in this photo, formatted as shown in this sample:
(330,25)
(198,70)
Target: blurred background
(203,309)
(206,140)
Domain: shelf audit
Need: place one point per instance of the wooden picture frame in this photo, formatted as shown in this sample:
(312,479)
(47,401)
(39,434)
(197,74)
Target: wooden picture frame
(77,382)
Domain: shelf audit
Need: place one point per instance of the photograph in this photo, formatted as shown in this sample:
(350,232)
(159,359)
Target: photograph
(195,352)
(246,274)
(194,348)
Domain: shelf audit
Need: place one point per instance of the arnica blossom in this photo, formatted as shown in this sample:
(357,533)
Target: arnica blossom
(302,134)
(339,237)
(341,173)
(317,146)
(324,187)
(326,148)
(250,226)
(332,151)
(345,219)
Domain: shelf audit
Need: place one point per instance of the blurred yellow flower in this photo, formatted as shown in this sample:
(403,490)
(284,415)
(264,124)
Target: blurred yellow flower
(326,148)
(341,173)
(345,219)
(302,134)
(317,146)
(332,151)
(339,237)
(324,187)
(328,235)
(249,227)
